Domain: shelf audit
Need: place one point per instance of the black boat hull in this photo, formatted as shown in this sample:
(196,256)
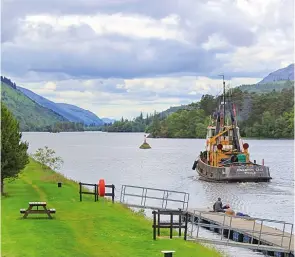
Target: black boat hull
(234,173)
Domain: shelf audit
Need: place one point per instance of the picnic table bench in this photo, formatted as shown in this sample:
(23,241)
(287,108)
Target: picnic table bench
(30,210)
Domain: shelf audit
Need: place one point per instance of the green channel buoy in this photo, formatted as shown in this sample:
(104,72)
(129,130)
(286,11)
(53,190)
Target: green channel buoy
(145,145)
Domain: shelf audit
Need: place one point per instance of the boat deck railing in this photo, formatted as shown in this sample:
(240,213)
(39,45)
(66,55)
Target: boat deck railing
(239,163)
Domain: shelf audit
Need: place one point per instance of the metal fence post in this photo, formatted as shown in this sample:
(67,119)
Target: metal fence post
(192,221)
(199,219)
(260,233)
(291,237)
(95,193)
(171,224)
(121,193)
(283,234)
(253,232)
(142,196)
(187,201)
(179,221)
(185,228)
(163,200)
(113,193)
(222,227)
(229,228)
(166,200)
(124,193)
(154,225)
(159,222)
(145,197)
(80,191)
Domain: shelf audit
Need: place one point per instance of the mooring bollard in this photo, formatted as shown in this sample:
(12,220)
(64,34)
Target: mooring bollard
(168,253)
(59,184)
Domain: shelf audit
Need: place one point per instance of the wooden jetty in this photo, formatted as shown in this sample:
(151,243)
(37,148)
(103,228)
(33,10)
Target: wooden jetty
(244,232)
(252,233)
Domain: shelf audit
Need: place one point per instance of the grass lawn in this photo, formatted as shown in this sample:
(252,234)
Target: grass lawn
(79,229)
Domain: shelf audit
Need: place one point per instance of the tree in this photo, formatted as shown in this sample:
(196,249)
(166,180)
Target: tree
(14,156)
(208,104)
(47,159)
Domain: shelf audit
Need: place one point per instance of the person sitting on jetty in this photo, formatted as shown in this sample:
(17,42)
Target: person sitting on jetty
(217,207)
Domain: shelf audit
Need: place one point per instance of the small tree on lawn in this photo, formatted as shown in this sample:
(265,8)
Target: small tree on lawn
(14,156)
(47,158)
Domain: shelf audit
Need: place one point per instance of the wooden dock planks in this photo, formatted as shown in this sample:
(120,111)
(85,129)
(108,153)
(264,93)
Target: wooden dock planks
(269,235)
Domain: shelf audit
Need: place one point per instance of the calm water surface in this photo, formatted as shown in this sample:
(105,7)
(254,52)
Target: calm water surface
(116,157)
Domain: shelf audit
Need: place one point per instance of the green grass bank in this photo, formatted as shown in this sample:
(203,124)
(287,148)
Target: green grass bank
(80,229)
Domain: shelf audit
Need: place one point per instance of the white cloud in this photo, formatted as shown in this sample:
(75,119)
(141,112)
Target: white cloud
(50,86)
(134,26)
(215,41)
(146,95)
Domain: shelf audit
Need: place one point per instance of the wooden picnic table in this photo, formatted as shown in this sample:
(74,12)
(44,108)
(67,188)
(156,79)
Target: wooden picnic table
(30,209)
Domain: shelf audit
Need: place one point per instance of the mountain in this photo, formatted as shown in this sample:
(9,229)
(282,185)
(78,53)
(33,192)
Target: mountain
(31,115)
(108,120)
(283,74)
(85,116)
(267,87)
(277,80)
(69,112)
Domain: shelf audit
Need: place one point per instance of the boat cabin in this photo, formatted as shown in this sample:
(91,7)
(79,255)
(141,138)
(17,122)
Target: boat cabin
(225,148)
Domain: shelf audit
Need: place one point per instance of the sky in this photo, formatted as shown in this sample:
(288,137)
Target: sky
(122,57)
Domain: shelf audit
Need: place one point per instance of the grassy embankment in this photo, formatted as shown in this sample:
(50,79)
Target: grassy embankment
(79,229)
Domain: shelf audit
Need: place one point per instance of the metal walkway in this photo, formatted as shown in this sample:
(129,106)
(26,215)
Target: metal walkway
(153,198)
(253,233)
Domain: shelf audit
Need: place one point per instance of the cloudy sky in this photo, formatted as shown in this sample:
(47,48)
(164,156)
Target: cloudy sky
(120,57)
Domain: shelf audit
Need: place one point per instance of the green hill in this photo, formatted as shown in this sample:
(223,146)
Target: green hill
(267,87)
(30,115)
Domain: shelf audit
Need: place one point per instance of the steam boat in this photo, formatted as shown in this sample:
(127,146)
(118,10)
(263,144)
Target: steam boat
(226,158)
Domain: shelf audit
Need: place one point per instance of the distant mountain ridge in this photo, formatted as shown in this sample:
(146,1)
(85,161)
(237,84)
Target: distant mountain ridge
(70,112)
(30,115)
(108,120)
(87,117)
(277,80)
(283,74)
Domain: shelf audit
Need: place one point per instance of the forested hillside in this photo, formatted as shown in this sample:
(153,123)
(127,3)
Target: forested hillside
(30,115)
(271,116)
(268,115)
(70,112)
(36,113)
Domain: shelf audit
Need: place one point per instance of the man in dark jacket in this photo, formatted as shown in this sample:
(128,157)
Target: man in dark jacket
(217,207)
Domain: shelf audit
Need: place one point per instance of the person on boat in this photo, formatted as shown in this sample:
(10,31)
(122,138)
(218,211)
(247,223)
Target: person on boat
(234,158)
(217,207)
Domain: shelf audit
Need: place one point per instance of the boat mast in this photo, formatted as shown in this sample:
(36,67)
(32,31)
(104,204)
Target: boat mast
(223,82)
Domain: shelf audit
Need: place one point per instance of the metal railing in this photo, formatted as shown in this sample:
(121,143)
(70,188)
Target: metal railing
(274,238)
(162,197)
